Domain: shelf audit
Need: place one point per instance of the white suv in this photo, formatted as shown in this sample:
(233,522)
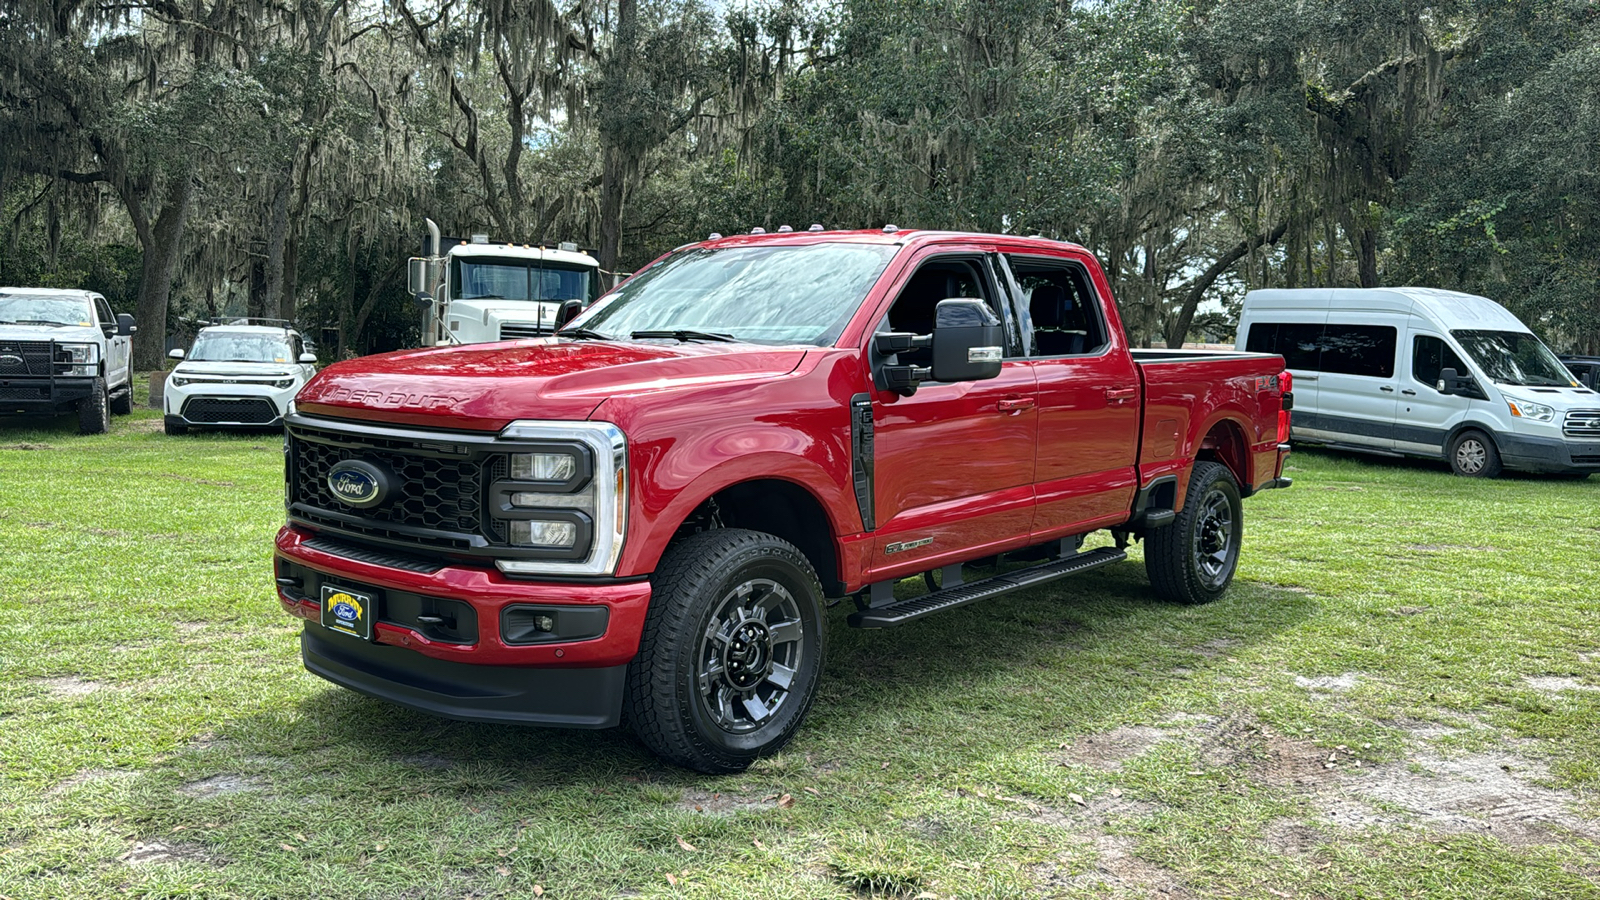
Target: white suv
(237,375)
(63,350)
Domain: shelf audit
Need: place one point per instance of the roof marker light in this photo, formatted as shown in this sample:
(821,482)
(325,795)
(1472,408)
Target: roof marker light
(480,239)
(715,236)
(567,246)
(815,228)
(758,230)
(890,229)
(784,229)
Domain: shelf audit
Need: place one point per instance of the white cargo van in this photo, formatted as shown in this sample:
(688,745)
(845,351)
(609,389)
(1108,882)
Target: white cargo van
(1423,372)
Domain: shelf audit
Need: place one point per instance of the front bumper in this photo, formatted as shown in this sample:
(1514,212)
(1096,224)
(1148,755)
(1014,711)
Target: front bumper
(1550,455)
(44,395)
(477,671)
(202,404)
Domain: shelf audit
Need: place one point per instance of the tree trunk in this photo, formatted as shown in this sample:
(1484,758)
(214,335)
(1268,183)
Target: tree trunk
(255,304)
(289,301)
(1178,326)
(612,176)
(277,235)
(160,243)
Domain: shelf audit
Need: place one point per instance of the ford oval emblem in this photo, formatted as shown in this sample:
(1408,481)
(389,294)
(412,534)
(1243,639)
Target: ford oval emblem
(9,360)
(359,484)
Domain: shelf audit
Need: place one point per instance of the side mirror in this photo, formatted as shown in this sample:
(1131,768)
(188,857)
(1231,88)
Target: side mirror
(569,311)
(968,343)
(308,358)
(417,275)
(424,301)
(125,325)
(175,354)
(1452,383)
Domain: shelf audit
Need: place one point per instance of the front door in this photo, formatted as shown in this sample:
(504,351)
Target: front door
(1425,415)
(118,346)
(954,462)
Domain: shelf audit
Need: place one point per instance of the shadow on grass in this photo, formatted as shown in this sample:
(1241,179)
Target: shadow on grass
(976,681)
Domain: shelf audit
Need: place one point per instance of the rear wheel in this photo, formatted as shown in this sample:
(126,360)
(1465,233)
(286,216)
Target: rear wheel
(94,411)
(1193,559)
(1474,455)
(731,653)
(122,404)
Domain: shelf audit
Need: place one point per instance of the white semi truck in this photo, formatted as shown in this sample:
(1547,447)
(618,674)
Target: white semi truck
(473,291)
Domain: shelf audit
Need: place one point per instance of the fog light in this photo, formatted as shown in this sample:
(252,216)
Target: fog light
(543,466)
(544,623)
(538,533)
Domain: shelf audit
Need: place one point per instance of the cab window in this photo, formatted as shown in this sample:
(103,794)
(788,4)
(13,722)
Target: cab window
(1430,356)
(1063,307)
(935,280)
(103,310)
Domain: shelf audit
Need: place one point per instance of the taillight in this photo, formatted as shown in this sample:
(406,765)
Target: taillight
(1286,387)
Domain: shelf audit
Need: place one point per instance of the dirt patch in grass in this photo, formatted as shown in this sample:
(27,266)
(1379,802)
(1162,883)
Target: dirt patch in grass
(1552,684)
(1216,647)
(1118,869)
(1288,837)
(26,446)
(67,686)
(218,785)
(157,851)
(1329,684)
(717,803)
(1108,750)
(85,776)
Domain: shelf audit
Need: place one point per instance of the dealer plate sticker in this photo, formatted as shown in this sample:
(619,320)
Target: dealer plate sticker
(347,611)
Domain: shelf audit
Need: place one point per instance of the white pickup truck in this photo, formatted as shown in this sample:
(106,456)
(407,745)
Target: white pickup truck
(64,350)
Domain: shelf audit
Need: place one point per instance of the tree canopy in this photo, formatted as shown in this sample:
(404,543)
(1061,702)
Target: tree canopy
(276,157)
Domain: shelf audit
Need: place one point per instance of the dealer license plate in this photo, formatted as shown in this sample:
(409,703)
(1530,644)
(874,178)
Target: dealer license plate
(348,611)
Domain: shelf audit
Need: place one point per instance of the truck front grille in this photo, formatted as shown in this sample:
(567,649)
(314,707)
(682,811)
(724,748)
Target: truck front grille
(24,393)
(22,358)
(516,331)
(230,411)
(1584,423)
(431,493)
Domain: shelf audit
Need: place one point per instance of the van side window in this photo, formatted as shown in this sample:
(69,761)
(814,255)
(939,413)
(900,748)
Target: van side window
(1063,307)
(1359,350)
(1430,356)
(1299,343)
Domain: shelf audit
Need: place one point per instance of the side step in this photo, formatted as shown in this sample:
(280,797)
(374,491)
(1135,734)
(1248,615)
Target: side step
(904,611)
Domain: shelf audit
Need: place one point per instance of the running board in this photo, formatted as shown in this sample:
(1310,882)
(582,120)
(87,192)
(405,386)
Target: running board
(901,612)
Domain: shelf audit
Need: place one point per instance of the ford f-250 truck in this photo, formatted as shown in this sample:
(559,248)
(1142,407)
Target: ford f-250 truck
(638,520)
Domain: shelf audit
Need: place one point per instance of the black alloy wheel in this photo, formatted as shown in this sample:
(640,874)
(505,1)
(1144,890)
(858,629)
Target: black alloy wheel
(1193,559)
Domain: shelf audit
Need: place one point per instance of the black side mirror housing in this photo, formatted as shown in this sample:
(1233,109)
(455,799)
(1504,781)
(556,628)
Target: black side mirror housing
(968,344)
(1452,383)
(125,325)
(569,311)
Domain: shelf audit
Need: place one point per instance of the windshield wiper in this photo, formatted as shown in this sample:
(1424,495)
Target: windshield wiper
(41,322)
(685,335)
(580,334)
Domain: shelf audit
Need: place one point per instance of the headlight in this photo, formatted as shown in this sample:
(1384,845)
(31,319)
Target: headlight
(81,359)
(561,503)
(177,380)
(558,467)
(1538,412)
(283,383)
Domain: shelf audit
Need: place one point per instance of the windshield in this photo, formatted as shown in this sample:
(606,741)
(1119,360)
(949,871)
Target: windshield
(482,278)
(768,295)
(1514,357)
(22,309)
(224,347)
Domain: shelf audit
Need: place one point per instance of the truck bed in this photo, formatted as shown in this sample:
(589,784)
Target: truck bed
(1221,402)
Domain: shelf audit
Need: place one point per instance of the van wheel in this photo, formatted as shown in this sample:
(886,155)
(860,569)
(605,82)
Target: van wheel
(1473,455)
(94,411)
(1193,559)
(731,653)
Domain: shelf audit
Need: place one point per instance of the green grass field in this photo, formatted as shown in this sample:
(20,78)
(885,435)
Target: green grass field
(1399,698)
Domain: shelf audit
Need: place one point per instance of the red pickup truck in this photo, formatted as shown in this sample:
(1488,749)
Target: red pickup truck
(638,519)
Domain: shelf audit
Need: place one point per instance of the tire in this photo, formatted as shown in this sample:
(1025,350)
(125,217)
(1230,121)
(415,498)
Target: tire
(94,411)
(122,404)
(1473,454)
(174,428)
(1193,560)
(721,601)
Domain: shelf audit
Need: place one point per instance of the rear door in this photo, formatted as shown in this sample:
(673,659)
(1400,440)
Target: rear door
(1084,470)
(118,347)
(954,462)
(1358,385)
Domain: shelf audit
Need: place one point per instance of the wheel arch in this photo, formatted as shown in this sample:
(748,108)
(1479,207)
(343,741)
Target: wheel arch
(1225,443)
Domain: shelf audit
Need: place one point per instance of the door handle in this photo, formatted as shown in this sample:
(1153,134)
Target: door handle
(1014,405)
(1409,392)
(1120,395)
(1387,389)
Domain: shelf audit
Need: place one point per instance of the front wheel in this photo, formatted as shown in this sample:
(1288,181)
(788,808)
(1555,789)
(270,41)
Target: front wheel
(731,653)
(94,411)
(1193,559)
(1474,455)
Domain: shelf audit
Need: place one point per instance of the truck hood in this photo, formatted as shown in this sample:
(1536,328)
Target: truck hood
(485,387)
(70,334)
(258,370)
(504,310)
